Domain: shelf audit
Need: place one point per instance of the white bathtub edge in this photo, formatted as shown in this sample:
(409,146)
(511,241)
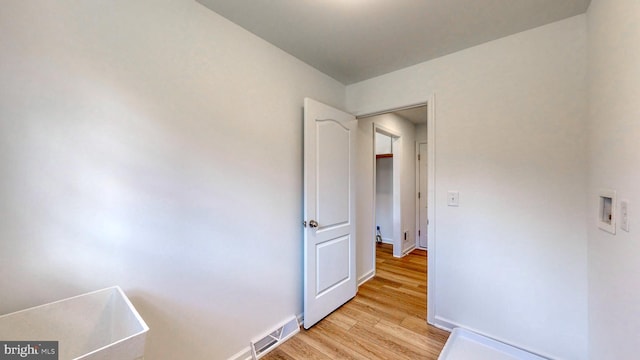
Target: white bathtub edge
(131,308)
(145,327)
(57,301)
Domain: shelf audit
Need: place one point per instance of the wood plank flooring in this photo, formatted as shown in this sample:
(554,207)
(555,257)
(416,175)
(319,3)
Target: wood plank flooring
(386,320)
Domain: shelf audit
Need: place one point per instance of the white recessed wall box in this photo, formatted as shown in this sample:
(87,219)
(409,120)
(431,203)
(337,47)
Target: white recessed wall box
(607,211)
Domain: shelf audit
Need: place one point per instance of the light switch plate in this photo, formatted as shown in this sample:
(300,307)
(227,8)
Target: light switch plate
(453,198)
(624,215)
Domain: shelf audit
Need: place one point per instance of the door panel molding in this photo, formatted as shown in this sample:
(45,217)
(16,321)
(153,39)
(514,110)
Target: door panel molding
(329,201)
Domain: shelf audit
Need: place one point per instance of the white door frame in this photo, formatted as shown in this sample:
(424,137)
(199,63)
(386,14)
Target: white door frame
(396,150)
(431,209)
(431,190)
(417,165)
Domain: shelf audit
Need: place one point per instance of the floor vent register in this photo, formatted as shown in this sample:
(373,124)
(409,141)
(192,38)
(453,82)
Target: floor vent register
(264,344)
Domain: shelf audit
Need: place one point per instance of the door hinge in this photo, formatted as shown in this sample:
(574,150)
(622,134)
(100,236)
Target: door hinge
(418,232)
(418,194)
(418,157)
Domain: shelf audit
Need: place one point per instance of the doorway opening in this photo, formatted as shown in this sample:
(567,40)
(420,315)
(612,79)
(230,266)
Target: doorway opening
(400,193)
(387,211)
(396,136)
(411,135)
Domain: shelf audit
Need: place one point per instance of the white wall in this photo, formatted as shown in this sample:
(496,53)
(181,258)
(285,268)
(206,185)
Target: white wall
(154,145)
(614,135)
(384,197)
(383,144)
(421,133)
(510,137)
(365,206)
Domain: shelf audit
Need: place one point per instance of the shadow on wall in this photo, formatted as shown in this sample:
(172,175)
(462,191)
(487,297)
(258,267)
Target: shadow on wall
(173,323)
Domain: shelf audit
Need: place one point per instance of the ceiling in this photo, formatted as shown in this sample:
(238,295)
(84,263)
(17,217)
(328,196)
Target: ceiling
(417,115)
(354,40)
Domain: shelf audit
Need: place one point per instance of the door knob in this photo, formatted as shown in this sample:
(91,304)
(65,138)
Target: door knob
(313,224)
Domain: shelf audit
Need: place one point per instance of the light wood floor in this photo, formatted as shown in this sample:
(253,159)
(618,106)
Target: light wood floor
(386,320)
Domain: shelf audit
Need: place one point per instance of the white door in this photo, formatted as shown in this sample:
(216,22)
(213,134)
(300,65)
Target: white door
(422,201)
(329,210)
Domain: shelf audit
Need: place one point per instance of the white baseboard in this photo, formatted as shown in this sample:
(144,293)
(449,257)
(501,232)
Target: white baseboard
(410,249)
(366,277)
(244,354)
(444,324)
